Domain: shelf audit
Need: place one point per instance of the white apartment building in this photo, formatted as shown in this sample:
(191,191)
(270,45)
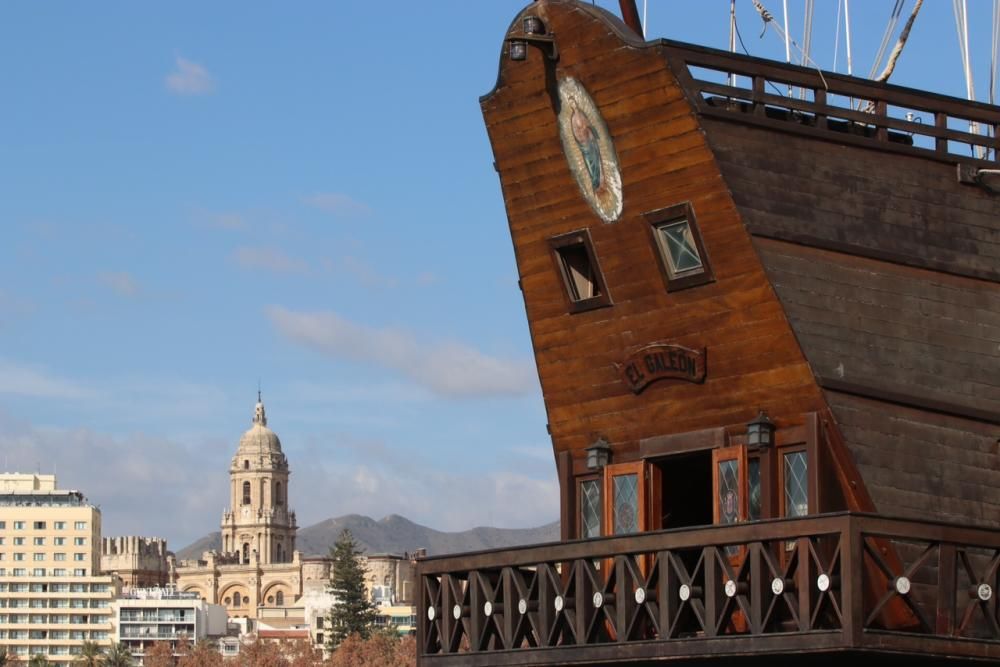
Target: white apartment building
(52,598)
(146,616)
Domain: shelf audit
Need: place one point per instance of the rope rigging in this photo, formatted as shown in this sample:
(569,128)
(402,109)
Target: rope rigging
(768,19)
(890,27)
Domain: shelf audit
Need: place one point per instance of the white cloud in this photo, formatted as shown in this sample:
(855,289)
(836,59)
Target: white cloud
(338,204)
(189,78)
(23,380)
(446,368)
(268,259)
(121,282)
(117,474)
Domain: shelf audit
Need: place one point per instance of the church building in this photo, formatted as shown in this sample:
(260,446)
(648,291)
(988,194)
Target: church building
(258,565)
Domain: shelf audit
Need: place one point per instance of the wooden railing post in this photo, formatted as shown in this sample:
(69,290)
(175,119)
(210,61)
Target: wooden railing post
(947,575)
(852,569)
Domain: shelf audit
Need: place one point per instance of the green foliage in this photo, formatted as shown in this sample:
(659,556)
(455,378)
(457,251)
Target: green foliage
(90,654)
(4,658)
(353,613)
(118,656)
(38,660)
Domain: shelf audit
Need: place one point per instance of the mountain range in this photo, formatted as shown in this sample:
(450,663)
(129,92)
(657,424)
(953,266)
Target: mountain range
(394,534)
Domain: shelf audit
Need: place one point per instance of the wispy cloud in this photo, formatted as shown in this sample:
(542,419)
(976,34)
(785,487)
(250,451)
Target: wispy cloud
(120,282)
(338,204)
(268,259)
(446,368)
(361,271)
(189,78)
(25,380)
(230,221)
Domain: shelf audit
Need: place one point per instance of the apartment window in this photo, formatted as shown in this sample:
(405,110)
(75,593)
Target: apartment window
(3,525)
(3,556)
(18,525)
(580,272)
(39,541)
(80,541)
(59,572)
(683,260)
(38,572)
(80,525)
(39,525)
(59,556)
(80,572)
(38,556)
(18,556)
(59,541)
(79,557)
(59,525)
(2,540)
(18,541)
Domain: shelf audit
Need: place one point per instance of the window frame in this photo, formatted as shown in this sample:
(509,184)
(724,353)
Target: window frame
(663,217)
(576,238)
(780,465)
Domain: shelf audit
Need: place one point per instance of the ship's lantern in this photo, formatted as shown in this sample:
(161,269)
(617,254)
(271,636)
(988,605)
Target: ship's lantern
(533,26)
(598,454)
(518,49)
(760,432)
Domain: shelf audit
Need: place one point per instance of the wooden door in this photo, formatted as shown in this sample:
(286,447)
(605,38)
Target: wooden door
(626,494)
(730,491)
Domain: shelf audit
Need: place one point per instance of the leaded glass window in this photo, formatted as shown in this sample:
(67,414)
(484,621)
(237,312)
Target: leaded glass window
(796,484)
(590,508)
(682,251)
(753,479)
(626,504)
(729,491)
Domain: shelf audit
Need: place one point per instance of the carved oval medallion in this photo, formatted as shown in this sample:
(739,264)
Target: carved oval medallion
(588,148)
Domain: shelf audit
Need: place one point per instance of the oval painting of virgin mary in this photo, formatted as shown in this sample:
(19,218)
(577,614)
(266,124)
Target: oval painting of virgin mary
(589,151)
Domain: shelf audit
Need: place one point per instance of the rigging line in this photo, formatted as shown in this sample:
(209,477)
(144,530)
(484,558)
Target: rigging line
(847,36)
(788,36)
(807,38)
(898,49)
(836,39)
(767,17)
(732,36)
(996,44)
(890,27)
(736,27)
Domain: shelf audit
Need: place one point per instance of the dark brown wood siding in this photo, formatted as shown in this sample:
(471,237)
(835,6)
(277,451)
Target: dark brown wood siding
(753,359)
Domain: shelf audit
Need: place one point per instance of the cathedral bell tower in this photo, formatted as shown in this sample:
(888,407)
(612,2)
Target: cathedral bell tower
(259,527)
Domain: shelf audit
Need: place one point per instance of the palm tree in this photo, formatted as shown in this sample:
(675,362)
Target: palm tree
(118,656)
(90,654)
(38,660)
(4,659)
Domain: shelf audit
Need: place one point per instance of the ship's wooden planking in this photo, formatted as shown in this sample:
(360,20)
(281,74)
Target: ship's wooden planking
(852,281)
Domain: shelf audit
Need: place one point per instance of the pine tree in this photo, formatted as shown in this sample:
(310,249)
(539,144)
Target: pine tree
(352,613)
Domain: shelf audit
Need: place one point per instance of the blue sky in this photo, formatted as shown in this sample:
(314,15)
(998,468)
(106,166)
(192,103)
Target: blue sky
(198,196)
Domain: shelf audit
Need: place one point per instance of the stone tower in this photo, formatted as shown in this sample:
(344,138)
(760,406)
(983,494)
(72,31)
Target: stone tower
(259,527)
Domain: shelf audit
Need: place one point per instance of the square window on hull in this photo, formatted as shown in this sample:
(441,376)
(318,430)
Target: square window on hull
(581,274)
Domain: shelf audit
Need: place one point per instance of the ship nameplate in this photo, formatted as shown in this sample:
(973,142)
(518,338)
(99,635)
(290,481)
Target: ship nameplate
(663,362)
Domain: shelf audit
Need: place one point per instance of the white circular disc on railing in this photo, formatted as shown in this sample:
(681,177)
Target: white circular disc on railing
(431,613)
(902,585)
(558,603)
(823,583)
(684,592)
(640,595)
(985,592)
(598,600)
(488,608)
(456,611)
(777,585)
(522,606)
(730,589)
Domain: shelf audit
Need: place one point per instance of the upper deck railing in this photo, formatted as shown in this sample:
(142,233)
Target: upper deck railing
(836,107)
(813,584)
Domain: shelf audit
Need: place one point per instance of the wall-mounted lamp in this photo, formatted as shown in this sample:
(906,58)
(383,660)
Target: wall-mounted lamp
(760,432)
(598,454)
(532,32)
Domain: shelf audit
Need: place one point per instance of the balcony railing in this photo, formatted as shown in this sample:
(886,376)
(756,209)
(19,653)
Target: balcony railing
(817,584)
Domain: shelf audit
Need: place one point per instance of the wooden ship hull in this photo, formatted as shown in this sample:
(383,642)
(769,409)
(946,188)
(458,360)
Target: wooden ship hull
(767,330)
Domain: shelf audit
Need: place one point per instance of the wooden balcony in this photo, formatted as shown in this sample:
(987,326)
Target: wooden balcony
(827,585)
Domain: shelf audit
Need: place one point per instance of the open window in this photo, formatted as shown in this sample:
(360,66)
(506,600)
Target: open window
(683,260)
(581,274)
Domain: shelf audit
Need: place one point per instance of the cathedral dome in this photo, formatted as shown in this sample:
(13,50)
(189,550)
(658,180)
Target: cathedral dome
(259,439)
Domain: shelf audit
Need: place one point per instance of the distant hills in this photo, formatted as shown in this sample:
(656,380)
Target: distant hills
(394,534)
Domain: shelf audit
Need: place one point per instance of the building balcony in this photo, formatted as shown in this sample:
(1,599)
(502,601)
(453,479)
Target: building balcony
(836,584)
